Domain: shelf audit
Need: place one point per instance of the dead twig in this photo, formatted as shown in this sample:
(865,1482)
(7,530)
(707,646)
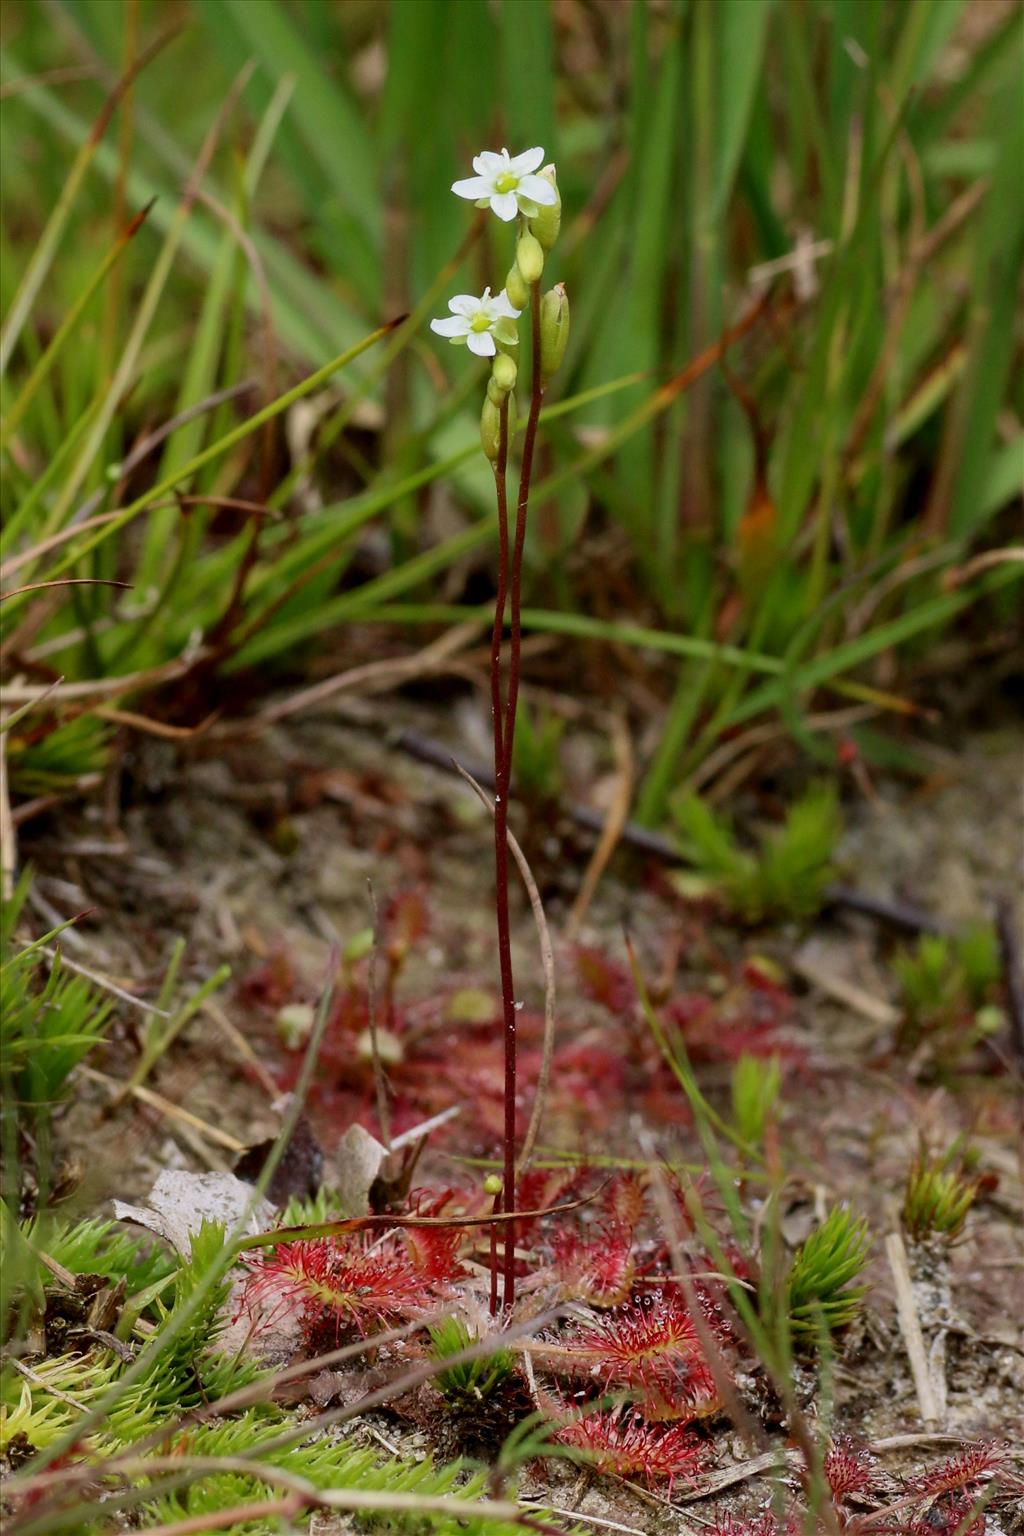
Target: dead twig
(1013,971)
(8,834)
(373,676)
(896,914)
(261,1510)
(910,1328)
(615,821)
(166,1107)
(380,1086)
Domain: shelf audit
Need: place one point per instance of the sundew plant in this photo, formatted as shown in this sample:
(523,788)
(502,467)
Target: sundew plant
(515,189)
(512,1000)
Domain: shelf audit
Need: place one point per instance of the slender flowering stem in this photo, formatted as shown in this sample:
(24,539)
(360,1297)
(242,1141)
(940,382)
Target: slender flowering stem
(502,741)
(497,633)
(501,815)
(503,776)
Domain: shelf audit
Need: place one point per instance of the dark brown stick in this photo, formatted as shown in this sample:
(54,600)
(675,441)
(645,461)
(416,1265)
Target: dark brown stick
(1009,949)
(896,914)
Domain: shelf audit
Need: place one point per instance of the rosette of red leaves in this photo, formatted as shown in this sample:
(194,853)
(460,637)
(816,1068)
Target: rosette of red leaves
(954,1490)
(649,1348)
(349,1284)
(623,1443)
(598,1270)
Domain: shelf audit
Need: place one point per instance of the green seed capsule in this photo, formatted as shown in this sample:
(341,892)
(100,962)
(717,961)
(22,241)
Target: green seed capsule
(490,429)
(529,258)
(503,374)
(554,330)
(518,293)
(548,221)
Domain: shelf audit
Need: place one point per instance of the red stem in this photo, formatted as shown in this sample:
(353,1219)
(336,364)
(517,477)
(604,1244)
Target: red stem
(500,824)
(503,778)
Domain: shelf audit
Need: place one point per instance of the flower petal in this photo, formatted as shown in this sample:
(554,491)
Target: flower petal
(482,343)
(472,186)
(505,206)
(487,163)
(464,304)
(501,304)
(526,162)
(537,190)
(458,325)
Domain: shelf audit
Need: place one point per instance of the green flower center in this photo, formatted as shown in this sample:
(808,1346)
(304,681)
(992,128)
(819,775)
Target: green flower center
(506,182)
(480,322)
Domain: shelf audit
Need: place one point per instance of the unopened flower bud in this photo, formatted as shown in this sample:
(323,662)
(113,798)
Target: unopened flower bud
(493,1184)
(529,258)
(548,221)
(518,293)
(503,374)
(554,330)
(490,429)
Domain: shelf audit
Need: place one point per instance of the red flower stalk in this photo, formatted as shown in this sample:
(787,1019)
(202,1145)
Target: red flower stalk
(621,1442)
(338,1284)
(598,1271)
(651,1349)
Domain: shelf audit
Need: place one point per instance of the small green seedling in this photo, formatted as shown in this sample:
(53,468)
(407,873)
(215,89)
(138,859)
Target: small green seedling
(49,1020)
(938,1196)
(821,1288)
(787,873)
(536,763)
(471,1380)
(947,987)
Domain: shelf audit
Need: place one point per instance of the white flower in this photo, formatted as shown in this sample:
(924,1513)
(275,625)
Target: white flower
(476,322)
(507,185)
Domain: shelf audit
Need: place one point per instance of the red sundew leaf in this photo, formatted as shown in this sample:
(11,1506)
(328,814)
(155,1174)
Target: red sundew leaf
(964,1469)
(405,923)
(689,1009)
(335,1285)
(949,1515)
(624,1199)
(760,981)
(604,980)
(622,1443)
(599,1270)
(433,1252)
(541,1187)
(649,1348)
(270,984)
(585,1078)
(848,1468)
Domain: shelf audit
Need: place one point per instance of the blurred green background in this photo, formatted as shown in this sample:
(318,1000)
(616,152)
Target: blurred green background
(779,534)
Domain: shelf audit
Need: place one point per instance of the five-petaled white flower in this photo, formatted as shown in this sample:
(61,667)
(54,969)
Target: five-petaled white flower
(476,322)
(508,185)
